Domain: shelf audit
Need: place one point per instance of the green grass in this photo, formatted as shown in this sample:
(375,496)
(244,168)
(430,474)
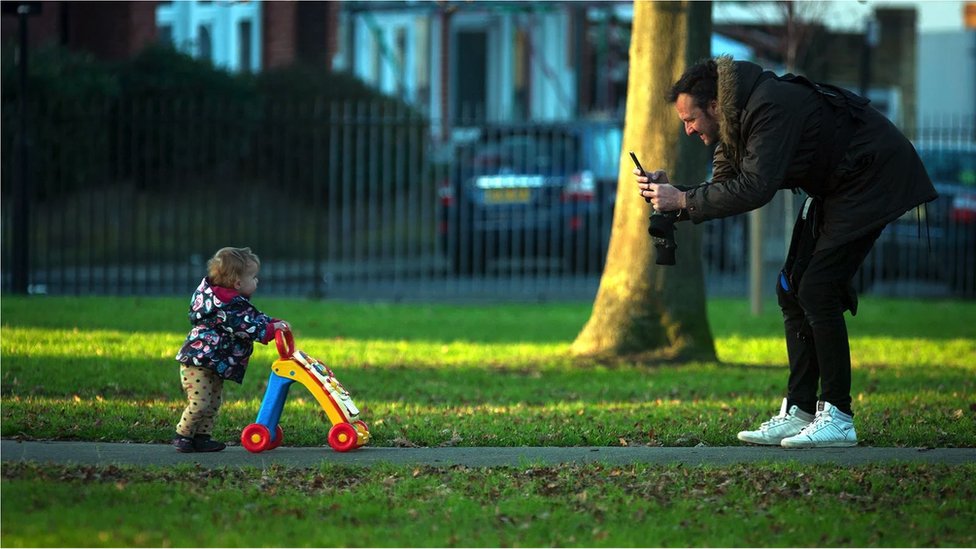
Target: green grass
(591,505)
(103,369)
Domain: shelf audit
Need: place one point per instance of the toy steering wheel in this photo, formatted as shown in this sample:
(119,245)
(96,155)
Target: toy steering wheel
(285,341)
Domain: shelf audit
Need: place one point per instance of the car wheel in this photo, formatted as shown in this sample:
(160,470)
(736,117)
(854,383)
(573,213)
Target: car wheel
(963,265)
(462,258)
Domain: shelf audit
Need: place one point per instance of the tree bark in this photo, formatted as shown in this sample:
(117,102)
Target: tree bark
(643,310)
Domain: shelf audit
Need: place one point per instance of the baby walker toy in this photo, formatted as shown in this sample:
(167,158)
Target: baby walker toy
(348,431)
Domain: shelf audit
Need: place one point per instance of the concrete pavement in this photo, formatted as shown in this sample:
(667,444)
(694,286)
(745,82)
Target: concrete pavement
(106,453)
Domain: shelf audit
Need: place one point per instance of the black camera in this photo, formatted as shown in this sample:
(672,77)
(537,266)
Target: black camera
(661,230)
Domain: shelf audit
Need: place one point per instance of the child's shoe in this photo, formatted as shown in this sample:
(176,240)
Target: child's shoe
(183,444)
(203,443)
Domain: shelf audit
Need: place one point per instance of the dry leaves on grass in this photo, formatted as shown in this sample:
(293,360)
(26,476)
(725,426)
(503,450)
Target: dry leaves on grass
(404,442)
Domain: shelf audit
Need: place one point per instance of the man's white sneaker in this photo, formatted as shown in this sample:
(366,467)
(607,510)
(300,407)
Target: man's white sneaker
(785,424)
(830,429)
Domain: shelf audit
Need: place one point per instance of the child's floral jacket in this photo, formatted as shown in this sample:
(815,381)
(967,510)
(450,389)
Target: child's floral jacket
(225,327)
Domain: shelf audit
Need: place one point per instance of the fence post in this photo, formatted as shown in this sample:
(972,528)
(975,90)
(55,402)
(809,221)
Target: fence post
(319,193)
(20,273)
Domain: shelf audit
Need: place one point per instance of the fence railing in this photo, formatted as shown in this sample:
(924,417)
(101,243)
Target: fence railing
(356,201)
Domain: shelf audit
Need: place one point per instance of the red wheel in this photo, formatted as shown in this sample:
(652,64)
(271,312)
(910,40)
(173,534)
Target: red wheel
(363,430)
(343,437)
(255,438)
(279,436)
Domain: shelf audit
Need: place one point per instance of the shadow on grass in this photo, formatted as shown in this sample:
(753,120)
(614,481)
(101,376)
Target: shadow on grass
(151,379)
(439,323)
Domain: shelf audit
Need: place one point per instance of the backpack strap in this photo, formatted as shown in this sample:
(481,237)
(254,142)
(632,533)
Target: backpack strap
(840,118)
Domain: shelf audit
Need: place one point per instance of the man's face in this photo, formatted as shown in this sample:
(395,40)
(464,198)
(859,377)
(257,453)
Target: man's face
(696,120)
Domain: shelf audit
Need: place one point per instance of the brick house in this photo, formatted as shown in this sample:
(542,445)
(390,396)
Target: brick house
(237,35)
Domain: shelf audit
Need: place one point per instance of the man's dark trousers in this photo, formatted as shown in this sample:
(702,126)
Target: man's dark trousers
(816,334)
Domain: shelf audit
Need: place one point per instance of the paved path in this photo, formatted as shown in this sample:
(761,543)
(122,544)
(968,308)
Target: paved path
(104,453)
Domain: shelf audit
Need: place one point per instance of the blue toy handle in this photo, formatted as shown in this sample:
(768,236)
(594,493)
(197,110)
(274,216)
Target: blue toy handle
(274,402)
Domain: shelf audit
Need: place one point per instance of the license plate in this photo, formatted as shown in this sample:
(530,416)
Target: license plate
(507,196)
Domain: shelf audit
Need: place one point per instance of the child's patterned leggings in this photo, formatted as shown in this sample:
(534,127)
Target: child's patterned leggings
(203,388)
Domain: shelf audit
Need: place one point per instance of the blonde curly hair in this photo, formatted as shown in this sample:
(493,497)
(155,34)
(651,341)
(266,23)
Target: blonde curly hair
(228,265)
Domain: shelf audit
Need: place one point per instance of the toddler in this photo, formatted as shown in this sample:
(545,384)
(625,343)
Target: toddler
(225,327)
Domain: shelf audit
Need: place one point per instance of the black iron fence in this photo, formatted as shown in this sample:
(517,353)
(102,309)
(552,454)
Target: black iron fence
(358,201)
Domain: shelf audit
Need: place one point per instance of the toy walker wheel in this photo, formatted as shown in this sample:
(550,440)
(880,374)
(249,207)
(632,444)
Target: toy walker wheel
(279,436)
(362,430)
(256,438)
(343,437)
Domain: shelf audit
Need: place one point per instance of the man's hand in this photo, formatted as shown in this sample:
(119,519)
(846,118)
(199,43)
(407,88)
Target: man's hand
(281,325)
(664,197)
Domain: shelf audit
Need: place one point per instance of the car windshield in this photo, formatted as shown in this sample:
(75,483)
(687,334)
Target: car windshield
(543,154)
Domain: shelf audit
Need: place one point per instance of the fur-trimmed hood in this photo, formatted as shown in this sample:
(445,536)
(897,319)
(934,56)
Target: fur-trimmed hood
(778,122)
(736,81)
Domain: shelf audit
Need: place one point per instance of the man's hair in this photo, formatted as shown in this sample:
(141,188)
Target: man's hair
(700,81)
(228,265)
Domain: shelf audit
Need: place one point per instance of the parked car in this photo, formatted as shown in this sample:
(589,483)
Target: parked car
(528,191)
(937,242)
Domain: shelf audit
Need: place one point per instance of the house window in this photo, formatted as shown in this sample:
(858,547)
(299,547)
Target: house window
(204,43)
(470,76)
(244,31)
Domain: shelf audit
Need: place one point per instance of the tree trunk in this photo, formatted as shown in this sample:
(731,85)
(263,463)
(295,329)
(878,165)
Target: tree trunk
(643,310)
